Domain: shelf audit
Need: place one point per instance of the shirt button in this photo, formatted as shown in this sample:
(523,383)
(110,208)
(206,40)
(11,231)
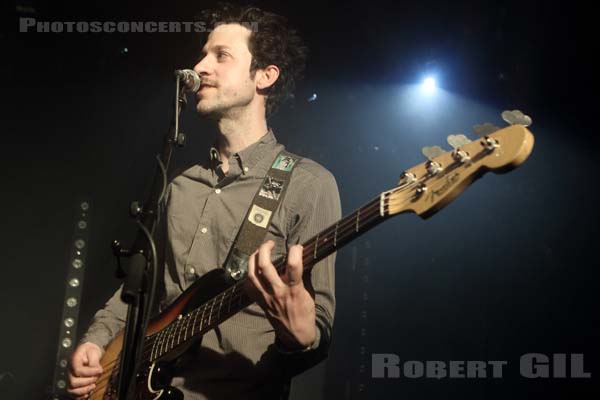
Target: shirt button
(204,230)
(246,169)
(190,273)
(217,191)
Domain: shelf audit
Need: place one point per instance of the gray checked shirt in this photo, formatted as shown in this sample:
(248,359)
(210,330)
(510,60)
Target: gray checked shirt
(205,209)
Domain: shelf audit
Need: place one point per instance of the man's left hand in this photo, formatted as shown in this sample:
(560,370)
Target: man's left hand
(289,306)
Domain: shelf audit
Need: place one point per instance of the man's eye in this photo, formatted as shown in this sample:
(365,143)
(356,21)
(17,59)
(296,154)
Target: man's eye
(222,54)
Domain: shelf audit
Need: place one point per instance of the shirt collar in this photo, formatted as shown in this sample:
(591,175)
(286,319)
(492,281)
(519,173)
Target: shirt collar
(248,157)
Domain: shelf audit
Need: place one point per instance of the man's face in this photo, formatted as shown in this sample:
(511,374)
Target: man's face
(224,67)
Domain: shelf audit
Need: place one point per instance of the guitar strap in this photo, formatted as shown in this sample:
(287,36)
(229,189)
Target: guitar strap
(255,225)
(253,230)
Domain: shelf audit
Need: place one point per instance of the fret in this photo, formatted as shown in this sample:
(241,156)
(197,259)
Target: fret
(335,234)
(156,344)
(220,305)
(194,323)
(159,345)
(230,298)
(182,324)
(154,352)
(166,340)
(174,324)
(316,245)
(187,325)
(357,219)
(160,342)
(175,334)
(165,335)
(202,317)
(168,337)
(211,310)
(175,327)
(153,346)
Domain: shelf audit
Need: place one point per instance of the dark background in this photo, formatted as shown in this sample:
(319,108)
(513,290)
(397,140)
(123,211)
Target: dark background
(509,268)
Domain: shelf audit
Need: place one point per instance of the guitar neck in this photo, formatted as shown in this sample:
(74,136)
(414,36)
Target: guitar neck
(233,299)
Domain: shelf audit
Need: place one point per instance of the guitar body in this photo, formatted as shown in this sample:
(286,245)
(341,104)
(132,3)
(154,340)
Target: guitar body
(152,379)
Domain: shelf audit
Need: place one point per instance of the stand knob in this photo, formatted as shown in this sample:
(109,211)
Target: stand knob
(180,139)
(135,208)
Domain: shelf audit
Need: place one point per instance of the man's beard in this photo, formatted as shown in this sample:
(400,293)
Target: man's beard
(214,111)
(218,110)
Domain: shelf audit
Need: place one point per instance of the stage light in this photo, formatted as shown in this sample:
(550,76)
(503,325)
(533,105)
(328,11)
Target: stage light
(429,85)
(74,282)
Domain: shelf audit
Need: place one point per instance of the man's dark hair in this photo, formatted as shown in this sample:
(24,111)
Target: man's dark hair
(272,41)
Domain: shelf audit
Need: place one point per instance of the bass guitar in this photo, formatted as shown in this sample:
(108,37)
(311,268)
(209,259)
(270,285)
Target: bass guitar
(423,189)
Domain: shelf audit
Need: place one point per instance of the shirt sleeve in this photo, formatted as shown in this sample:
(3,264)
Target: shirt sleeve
(316,206)
(107,322)
(110,320)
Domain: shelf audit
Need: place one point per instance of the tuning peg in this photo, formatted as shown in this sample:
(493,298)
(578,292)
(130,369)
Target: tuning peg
(407,178)
(457,141)
(485,129)
(431,152)
(516,117)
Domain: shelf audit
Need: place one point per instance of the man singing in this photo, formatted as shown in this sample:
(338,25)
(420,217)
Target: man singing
(246,74)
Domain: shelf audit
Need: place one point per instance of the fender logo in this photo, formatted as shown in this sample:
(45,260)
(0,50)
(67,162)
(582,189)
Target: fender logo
(449,182)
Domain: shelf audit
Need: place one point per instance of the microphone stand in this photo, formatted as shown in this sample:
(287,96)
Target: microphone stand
(140,275)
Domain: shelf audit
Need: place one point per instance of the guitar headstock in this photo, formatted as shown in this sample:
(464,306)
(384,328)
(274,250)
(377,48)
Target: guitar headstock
(428,187)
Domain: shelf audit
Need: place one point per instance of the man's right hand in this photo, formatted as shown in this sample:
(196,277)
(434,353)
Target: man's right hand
(84,370)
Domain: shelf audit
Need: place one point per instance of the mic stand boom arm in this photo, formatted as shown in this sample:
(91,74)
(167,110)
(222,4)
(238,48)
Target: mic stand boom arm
(140,275)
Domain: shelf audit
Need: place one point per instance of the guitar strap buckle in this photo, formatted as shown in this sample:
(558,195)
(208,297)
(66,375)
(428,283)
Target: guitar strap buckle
(237,267)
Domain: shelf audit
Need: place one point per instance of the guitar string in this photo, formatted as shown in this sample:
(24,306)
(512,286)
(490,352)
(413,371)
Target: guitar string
(372,214)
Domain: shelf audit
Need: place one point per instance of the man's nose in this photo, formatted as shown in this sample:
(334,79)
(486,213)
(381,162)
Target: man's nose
(202,67)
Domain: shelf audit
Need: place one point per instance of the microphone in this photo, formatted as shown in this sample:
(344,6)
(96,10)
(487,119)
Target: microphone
(189,78)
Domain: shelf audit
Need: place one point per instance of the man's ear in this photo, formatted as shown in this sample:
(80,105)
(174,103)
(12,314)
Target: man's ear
(267,77)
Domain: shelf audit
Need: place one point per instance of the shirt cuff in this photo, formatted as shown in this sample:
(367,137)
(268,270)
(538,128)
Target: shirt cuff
(313,346)
(97,335)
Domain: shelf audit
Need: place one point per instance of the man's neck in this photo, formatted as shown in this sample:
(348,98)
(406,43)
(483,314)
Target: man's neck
(236,134)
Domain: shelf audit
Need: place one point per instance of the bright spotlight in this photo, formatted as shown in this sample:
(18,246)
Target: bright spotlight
(429,85)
